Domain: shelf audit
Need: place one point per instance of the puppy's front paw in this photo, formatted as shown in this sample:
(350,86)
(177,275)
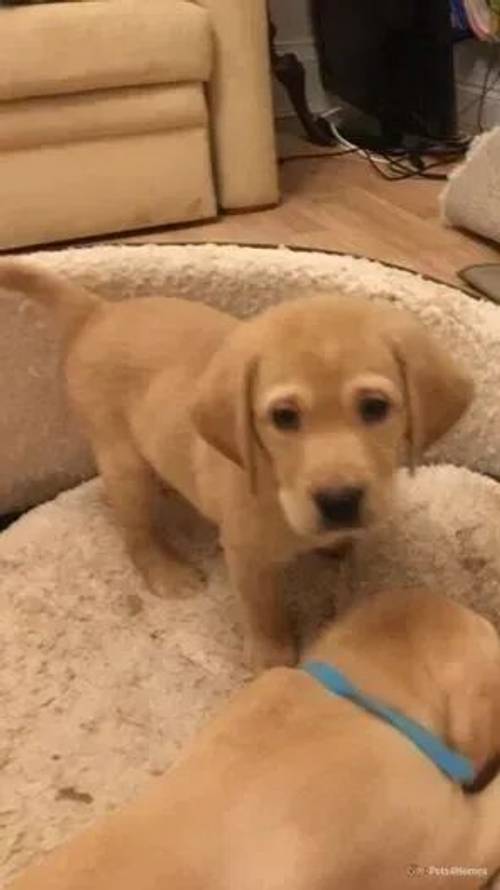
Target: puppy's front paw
(178,579)
(264,654)
(167,576)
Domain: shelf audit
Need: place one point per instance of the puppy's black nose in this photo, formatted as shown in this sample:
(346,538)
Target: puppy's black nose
(339,507)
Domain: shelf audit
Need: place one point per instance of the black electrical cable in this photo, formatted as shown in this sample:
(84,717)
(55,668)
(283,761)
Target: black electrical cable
(399,170)
(318,154)
(402,163)
(401,166)
(415,166)
(404,168)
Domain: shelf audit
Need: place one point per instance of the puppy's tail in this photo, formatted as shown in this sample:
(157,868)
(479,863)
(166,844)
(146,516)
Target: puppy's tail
(70,303)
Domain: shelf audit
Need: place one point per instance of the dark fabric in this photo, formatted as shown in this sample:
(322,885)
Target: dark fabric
(390,58)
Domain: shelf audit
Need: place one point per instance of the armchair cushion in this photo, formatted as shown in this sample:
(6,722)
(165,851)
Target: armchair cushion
(45,49)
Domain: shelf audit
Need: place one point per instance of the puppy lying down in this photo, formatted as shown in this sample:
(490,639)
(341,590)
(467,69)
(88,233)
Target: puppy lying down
(285,430)
(293,786)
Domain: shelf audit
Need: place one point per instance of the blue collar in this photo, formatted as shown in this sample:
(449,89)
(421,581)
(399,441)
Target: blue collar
(459,769)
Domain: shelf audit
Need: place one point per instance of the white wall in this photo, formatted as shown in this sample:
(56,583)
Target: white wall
(291,18)
(295,35)
(472,61)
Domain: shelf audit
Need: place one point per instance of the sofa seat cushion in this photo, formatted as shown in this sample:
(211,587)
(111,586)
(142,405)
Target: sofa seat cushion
(77,47)
(51,120)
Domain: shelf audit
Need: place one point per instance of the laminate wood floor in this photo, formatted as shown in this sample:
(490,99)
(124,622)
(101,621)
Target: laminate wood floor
(340,203)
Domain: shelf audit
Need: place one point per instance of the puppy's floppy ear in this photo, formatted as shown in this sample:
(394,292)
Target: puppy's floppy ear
(437,389)
(222,409)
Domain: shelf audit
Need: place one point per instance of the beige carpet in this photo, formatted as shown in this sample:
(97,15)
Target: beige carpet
(100,683)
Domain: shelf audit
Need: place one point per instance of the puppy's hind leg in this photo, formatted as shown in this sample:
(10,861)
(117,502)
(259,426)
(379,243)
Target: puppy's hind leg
(134,492)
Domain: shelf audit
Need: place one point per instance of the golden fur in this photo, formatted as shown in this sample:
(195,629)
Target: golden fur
(292,787)
(172,391)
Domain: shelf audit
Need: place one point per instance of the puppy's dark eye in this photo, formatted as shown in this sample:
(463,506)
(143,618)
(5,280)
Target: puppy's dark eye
(373,409)
(286,417)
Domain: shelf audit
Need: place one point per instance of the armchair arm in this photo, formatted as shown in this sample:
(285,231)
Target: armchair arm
(241,105)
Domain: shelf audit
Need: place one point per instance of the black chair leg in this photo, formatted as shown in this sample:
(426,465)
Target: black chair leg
(289,71)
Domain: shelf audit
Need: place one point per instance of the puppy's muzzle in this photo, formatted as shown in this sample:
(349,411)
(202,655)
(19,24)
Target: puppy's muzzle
(339,508)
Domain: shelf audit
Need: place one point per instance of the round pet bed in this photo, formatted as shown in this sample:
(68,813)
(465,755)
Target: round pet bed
(100,683)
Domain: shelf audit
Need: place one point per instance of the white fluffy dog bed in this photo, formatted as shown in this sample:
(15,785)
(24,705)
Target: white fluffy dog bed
(100,683)
(471,197)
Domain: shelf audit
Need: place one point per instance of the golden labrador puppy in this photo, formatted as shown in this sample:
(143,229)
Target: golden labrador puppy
(285,430)
(295,787)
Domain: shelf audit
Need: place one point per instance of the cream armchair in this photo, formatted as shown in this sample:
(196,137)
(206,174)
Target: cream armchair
(126,114)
